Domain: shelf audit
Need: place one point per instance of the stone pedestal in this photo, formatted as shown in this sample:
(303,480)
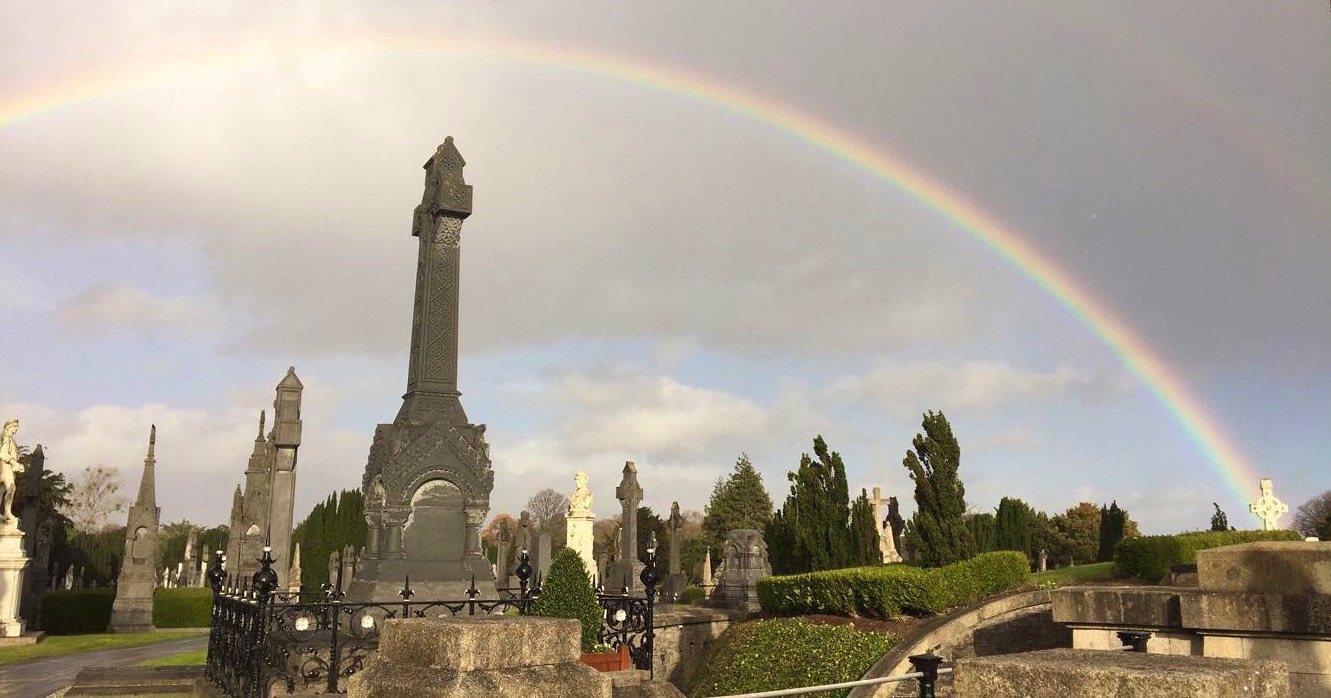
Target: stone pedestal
(13,563)
(581,541)
(496,656)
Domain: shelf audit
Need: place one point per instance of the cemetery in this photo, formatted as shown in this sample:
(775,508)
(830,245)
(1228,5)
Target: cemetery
(415,599)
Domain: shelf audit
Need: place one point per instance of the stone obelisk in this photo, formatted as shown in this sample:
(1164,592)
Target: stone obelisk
(132,611)
(428,479)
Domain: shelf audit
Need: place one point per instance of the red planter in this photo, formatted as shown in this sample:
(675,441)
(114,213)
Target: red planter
(616,661)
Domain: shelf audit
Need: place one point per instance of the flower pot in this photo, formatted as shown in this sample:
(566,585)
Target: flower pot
(610,661)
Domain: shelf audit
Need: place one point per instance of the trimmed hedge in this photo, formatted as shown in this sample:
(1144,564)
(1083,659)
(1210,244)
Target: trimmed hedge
(77,611)
(1150,557)
(182,607)
(888,591)
(692,595)
(782,653)
(566,592)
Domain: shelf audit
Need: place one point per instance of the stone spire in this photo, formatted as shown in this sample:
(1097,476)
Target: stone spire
(432,370)
(293,583)
(148,485)
(132,610)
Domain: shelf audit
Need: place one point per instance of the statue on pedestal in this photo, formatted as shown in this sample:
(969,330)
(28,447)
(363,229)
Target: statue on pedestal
(9,466)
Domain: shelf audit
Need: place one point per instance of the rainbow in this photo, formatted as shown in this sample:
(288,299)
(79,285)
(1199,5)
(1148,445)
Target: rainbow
(1201,428)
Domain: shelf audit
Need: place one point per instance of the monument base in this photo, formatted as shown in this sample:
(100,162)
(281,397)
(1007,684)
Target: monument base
(383,580)
(623,575)
(13,562)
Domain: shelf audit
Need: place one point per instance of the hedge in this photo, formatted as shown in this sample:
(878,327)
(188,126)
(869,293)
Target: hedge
(89,610)
(782,653)
(888,591)
(566,592)
(77,611)
(182,607)
(1150,557)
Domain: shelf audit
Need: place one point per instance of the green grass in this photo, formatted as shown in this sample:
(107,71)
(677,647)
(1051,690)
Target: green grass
(195,658)
(57,645)
(1098,572)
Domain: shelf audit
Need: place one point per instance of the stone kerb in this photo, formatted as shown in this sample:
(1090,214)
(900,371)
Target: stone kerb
(1060,673)
(492,656)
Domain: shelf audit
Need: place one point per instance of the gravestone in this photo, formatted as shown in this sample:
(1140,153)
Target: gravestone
(580,522)
(501,558)
(675,581)
(543,555)
(1267,508)
(293,575)
(628,567)
(132,611)
(746,562)
(428,479)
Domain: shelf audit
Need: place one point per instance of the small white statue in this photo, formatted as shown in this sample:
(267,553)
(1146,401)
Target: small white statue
(9,466)
(580,504)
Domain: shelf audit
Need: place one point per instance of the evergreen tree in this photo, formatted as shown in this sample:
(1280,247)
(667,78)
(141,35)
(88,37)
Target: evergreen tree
(1219,522)
(984,530)
(864,533)
(1113,527)
(330,526)
(1324,531)
(813,531)
(1014,524)
(738,501)
(940,497)
(566,592)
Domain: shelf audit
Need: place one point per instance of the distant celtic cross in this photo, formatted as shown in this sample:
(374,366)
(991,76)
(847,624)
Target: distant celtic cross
(1267,508)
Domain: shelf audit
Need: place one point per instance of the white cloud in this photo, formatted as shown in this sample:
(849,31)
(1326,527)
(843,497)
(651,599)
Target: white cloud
(1010,439)
(971,385)
(116,306)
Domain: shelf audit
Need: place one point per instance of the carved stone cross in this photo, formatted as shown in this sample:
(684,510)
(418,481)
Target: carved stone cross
(1267,508)
(629,494)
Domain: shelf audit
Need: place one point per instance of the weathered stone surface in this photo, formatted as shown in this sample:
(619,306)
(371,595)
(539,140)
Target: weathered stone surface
(382,679)
(138,681)
(479,643)
(1124,607)
(684,634)
(746,562)
(1269,567)
(1061,673)
(1304,614)
(132,610)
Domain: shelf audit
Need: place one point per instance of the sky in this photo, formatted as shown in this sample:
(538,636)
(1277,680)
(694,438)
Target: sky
(685,244)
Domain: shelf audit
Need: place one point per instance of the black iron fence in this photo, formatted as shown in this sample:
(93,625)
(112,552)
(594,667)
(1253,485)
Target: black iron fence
(261,641)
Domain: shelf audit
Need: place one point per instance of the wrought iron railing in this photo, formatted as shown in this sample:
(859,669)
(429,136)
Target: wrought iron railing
(261,640)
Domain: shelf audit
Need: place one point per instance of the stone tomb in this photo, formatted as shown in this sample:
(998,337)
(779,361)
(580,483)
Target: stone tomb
(745,563)
(428,479)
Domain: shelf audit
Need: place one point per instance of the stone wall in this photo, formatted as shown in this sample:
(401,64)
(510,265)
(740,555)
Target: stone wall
(684,634)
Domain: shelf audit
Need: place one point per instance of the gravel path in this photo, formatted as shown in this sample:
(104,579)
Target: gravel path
(41,677)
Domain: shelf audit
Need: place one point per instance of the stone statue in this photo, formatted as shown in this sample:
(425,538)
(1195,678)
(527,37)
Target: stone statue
(9,466)
(580,503)
(1267,508)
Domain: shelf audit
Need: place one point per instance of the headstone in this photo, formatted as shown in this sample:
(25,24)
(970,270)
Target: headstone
(524,533)
(335,566)
(1044,560)
(13,559)
(69,577)
(887,544)
(543,555)
(580,522)
(191,543)
(428,479)
(707,573)
(132,611)
(600,569)
(201,574)
(1267,508)
(675,581)
(349,563)
(166,577)
(629,494)
(293,580)
(501,558)
(746,562)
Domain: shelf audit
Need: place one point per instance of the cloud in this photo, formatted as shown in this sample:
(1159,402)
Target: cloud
(1010,439)
(970,385)
(115,306)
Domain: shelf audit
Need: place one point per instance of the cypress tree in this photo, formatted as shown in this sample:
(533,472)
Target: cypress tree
(864,533)
(1014,524)
(812,531)
(984,530)
(940,497)
(1113,521)
(1219,522)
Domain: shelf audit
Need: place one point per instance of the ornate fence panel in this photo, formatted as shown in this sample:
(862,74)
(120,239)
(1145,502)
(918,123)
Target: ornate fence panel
(261,642)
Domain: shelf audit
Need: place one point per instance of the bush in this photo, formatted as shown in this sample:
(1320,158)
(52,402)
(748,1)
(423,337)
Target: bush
(782,653)
(77,611)
(1150,557)
(567,592)
(183,607)
(691,595)
(892,590)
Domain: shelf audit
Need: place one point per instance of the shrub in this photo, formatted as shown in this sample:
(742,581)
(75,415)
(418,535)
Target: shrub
(183,607)
(77,611)
(691,595)
(1150,557)
(782,653)
(892,590)
(567,593)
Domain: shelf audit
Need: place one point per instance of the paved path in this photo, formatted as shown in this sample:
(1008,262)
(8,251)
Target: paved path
(40,677)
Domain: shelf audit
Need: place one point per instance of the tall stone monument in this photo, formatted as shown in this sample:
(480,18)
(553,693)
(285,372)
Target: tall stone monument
(675,581)
(1267,508)
(263,511)
(628,567)
(746,562)
(13,559)
(132,611)
(428,479)
(887,544)
(39,532)
(580,521)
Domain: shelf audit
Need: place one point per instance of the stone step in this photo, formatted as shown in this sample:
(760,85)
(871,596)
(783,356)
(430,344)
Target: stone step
(136,681)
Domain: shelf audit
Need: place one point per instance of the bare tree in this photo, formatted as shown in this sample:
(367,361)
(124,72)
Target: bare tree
(95,496)
(1311,514)
(547,509)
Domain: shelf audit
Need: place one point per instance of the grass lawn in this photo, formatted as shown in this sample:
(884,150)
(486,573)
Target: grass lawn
(195,658)
(1098,572)
(56,645)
